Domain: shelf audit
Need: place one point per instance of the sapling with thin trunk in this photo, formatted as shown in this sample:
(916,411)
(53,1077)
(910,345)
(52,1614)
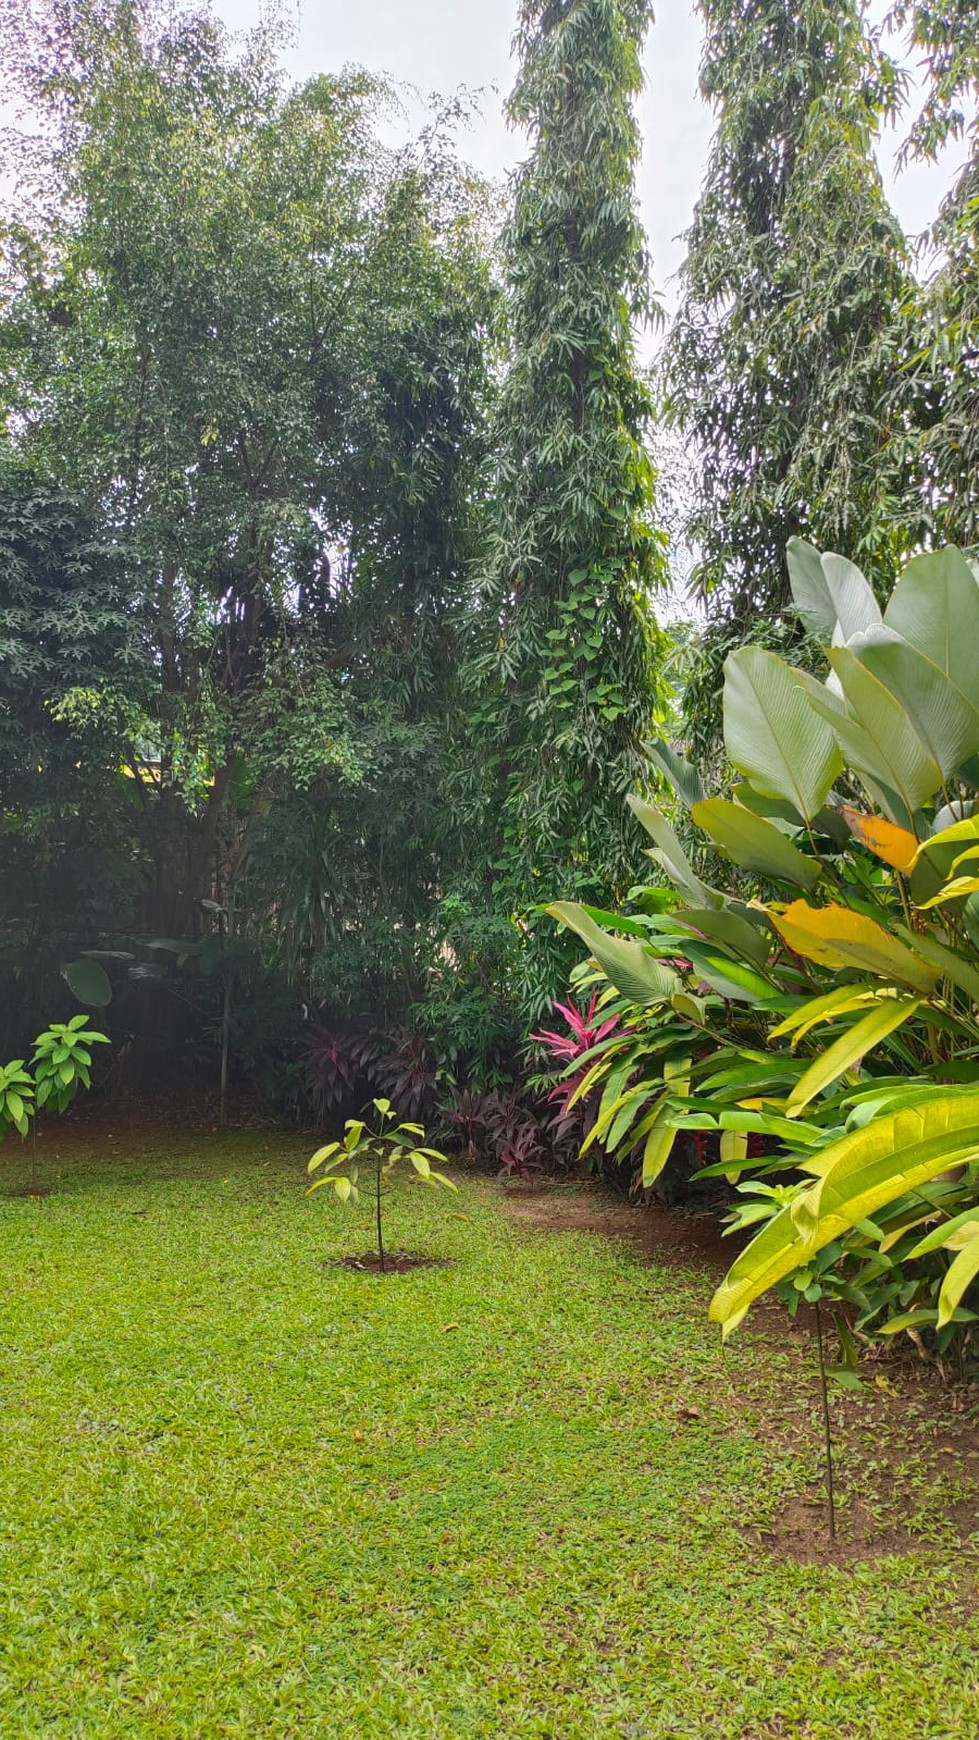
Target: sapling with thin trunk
(380,1150)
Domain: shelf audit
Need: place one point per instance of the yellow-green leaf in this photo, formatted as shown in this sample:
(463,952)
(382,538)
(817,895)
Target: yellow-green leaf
(849,1049)
(960,1276)
(836,937)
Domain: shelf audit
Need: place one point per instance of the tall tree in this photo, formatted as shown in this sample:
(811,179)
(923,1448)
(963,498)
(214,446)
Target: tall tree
(573,555)
(946,357)
(781,360)
(248,337)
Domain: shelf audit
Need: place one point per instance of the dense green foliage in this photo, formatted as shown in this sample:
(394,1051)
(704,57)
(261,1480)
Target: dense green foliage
(866,975)
(246,1491)
(246,361)
(779,361)
(573,556)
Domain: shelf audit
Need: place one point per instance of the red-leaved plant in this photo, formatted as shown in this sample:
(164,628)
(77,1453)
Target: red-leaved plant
(585,1030)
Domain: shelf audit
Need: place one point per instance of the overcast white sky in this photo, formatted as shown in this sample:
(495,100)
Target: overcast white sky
(438,45)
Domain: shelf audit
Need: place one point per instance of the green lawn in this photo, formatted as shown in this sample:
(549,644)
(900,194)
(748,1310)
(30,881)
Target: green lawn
(244,1494)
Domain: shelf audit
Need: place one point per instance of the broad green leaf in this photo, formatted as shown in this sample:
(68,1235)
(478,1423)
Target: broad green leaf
(946,717)
(89,982)
(729,978)
(343,1188)
(627,964)
(861,1173)
(754,843)
(876,734)
(730,929)
(943,960)
(771,733)
(829,592)
(837,937)
(671,856)
(689,1007)
(850,1049)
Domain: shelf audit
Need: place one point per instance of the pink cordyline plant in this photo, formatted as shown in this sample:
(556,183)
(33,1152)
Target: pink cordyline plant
(584,1033)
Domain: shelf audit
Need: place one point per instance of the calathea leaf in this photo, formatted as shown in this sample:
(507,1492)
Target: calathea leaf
(837,937)
(829,592)
(754,843)
(627,964)
(772,734)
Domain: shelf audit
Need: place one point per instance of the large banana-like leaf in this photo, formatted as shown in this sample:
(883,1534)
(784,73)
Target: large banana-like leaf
(730,929)
(771,733)
(754,843)
(861,1173)
(829,592)
(627,965)
(945,961)
(945,713)
(837,937)
(876,733)
(935,606)
(850,1048)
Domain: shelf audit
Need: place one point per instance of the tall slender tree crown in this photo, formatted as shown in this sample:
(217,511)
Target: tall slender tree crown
(573,553)
(781,361)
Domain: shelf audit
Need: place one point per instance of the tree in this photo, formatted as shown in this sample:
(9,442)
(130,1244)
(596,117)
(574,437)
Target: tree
(573,556)
(248,338)
(781,362)
(946,357)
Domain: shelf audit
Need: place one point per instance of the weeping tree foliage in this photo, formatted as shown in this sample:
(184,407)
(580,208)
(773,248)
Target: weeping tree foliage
(786,346)
(573,553)
(945,365)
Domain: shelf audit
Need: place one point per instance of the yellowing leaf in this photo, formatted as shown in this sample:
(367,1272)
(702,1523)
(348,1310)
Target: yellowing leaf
(896,846)
(859,1174)
(836,937)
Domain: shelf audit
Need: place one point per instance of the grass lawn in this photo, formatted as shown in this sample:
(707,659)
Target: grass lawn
(244,1493)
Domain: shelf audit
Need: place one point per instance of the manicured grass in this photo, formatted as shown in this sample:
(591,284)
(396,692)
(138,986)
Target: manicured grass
(246,1495)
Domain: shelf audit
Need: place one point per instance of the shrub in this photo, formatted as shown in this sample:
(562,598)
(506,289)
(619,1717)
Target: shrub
(825,996)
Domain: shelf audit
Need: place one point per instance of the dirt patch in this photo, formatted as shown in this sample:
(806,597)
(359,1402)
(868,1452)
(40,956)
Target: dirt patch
(395,1263)
(32,1192)
(661,1234)
(801,1532)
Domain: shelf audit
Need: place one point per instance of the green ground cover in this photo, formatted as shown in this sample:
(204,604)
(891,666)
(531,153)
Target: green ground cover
(244,1493)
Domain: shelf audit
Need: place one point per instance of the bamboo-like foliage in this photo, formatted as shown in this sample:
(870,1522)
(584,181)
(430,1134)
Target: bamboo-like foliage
(786,346)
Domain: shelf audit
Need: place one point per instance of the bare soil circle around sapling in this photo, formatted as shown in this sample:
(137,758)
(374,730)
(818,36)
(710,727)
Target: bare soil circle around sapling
(395,1263)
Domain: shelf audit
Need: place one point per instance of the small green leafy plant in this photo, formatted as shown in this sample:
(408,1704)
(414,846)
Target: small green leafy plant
(62,1062)
(378,1152)
(16,1097)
